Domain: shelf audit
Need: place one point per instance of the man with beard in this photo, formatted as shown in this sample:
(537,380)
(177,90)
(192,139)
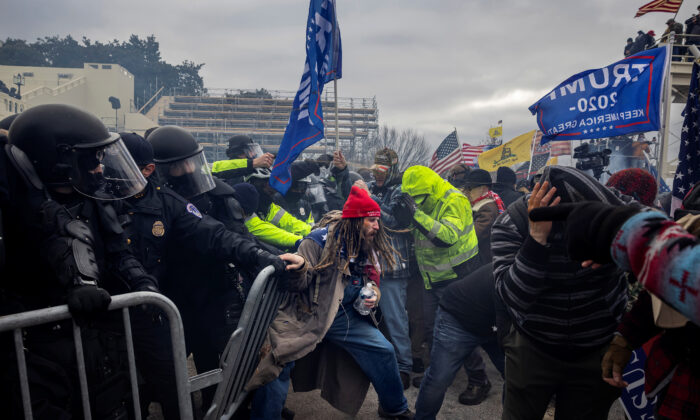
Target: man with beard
(342,257)
(385,190)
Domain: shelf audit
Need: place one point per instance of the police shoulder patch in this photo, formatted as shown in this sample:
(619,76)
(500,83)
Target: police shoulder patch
(192,209)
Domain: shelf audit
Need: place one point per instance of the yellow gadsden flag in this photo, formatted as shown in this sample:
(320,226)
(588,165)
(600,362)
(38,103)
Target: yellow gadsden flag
(495,132)
(515,151)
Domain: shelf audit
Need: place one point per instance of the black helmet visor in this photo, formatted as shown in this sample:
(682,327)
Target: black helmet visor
(189,177)
(105,171)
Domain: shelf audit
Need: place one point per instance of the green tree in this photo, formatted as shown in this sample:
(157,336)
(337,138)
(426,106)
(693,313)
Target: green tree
(139,56)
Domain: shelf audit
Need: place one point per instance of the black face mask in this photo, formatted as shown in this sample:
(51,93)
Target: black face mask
(94,182)
(182,185)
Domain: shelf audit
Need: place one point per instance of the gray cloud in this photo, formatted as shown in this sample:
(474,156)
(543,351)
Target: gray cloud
(431,65)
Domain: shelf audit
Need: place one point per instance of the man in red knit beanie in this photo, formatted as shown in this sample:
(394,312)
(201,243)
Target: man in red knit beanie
(322,330)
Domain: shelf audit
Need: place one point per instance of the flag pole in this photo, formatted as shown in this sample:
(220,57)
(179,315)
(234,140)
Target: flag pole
(664,132)
(532,152)
(337,134)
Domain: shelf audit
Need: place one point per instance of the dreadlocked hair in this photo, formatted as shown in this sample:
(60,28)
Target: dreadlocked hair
(347,233)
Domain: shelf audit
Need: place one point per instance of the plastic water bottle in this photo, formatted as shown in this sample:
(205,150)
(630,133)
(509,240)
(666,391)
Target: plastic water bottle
(365,293)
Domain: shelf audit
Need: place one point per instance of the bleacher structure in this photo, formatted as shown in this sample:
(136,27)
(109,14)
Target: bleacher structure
(215,118)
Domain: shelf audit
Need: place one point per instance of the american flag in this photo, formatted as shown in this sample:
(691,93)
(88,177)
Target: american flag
(540,154)
(447,154)
(471,153)
(559,148)
(688,170)
(667,6)
(539,161)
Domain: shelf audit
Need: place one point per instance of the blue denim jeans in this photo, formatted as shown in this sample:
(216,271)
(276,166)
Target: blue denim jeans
(268,400)
(363,341)
(452,344)
(393,305)
(473,364)
(372,351)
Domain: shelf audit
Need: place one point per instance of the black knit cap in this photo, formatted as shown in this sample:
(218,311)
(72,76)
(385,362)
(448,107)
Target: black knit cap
(477,178)
(247,196)
(506,176)
(139,148)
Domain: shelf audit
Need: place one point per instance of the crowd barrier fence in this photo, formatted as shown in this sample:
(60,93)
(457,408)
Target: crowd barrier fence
(237,365)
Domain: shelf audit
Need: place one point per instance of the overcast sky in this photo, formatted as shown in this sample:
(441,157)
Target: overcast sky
(432,65)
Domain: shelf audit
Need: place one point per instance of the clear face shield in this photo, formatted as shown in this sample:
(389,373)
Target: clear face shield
(189,177)
(106,172)
(252,150)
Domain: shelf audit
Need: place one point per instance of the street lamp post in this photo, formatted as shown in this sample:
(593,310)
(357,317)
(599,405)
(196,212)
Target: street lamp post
(115,105)
(18,80)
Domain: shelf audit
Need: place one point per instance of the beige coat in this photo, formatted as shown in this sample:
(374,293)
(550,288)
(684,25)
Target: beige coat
(303,319)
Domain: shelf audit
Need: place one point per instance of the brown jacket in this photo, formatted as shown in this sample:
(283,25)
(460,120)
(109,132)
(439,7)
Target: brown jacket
(485,213)
(302,321)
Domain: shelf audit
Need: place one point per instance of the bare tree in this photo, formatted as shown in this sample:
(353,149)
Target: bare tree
(410,146)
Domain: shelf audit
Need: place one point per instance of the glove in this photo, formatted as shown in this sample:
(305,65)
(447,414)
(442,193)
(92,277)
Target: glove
(590,229)
(401,213)
(265,258)
(87,300)
(617,357)
(407,201)
(324,160)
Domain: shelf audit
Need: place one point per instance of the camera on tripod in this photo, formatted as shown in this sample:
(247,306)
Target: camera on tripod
(596,161)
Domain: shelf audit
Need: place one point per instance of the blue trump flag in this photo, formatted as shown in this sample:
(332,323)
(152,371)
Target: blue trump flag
(323,64)
(622,98)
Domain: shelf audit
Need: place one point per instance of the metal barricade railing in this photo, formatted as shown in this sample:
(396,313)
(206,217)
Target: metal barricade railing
(242,353)
(17,322)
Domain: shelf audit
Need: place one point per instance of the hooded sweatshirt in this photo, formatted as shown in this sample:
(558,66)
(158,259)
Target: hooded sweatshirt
(444,233)
(563,308)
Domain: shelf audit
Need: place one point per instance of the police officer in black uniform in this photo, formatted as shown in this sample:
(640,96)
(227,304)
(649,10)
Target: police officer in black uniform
(208,283)
(65,244)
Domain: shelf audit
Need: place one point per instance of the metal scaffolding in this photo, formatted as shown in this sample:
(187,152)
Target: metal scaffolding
(263,116)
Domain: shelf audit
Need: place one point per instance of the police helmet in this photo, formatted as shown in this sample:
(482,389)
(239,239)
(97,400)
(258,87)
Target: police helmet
(70,147)
(180,161)
(7,121)
(243,145)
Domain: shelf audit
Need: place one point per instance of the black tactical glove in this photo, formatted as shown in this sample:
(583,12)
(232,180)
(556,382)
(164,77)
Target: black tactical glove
(407,201)
(265,258)
(87,300)
(591,227)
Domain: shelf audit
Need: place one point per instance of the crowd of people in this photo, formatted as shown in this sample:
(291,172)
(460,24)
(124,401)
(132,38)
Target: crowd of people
(376,268)
(12,92)
(645,40)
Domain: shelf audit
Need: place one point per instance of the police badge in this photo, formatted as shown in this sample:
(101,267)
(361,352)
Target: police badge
(158,229)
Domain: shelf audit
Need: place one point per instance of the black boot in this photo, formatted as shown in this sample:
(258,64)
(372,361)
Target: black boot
(475,394)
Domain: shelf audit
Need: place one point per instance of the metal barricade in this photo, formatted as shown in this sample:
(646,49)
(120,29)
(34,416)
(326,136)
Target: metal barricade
(19,321)
(242,353)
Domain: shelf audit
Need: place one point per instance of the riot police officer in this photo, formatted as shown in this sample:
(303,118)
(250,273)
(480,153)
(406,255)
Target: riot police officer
(65,244)
(205,287)
(244,156)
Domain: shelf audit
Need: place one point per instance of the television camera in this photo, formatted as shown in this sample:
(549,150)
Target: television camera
(596,161)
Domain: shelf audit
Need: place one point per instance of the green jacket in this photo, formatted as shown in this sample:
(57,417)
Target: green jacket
(232,169)
(271,234)
(444,235)
(284,220)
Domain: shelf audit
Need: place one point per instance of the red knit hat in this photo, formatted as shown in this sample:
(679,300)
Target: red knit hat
(636,183)
(360,204)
